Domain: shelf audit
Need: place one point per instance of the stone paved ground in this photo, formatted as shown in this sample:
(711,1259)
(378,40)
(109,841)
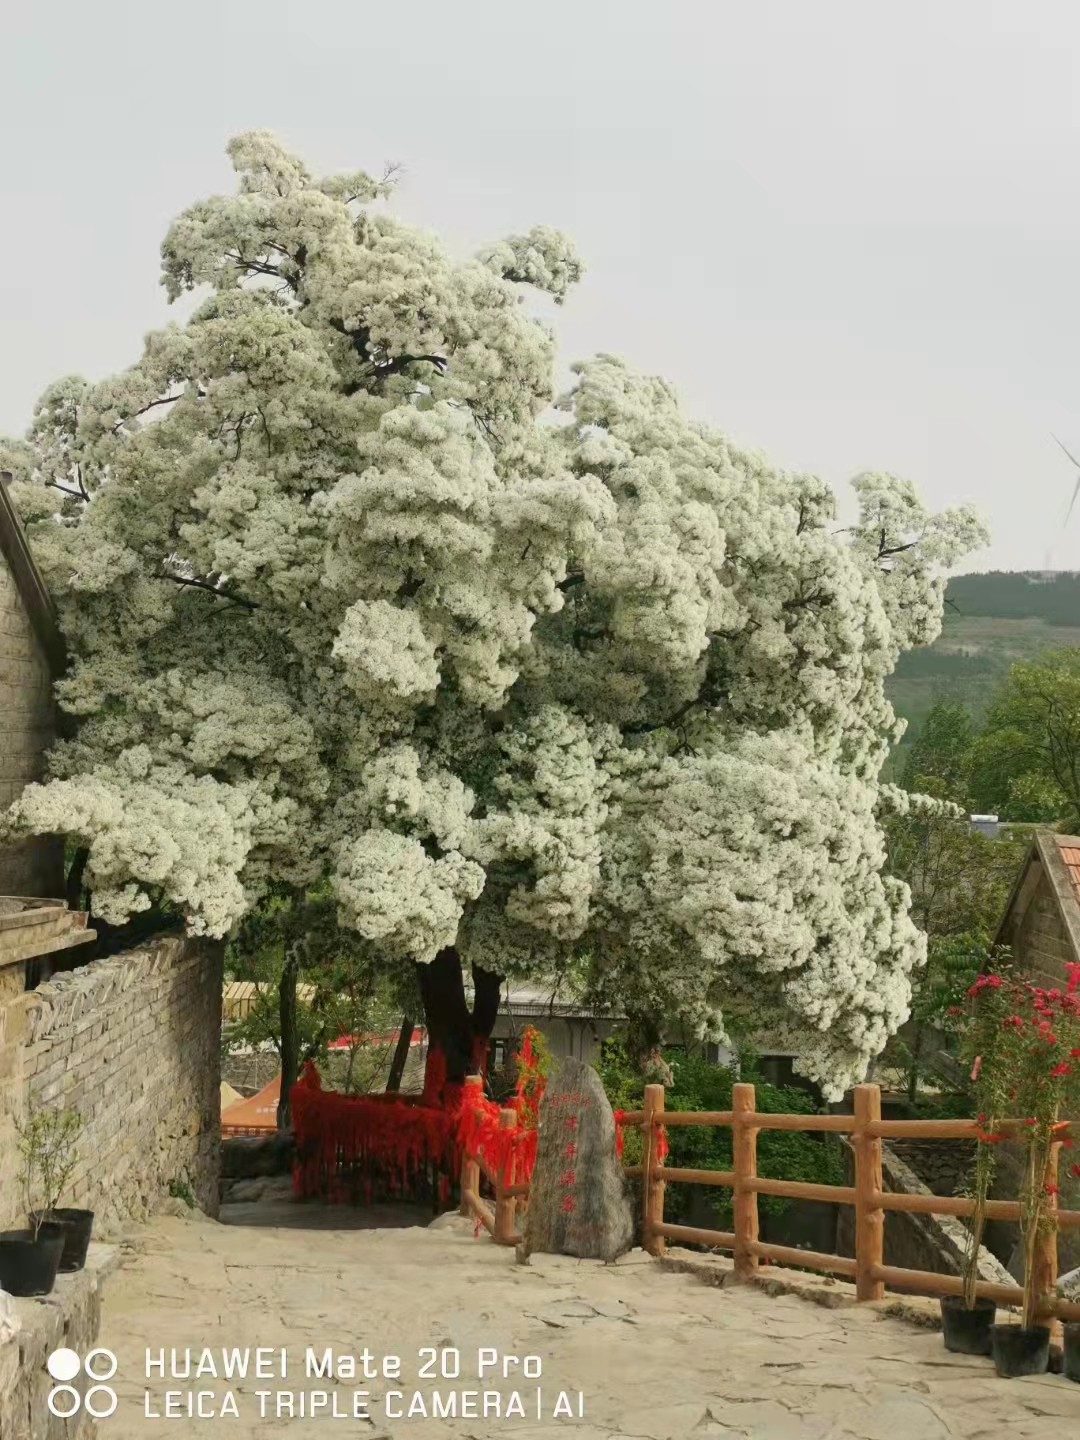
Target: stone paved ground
(657,1354)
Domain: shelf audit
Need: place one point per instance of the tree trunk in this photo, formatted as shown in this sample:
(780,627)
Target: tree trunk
(401,1053)
(290,1059)
(73,886)
(457,1038)
(643,1038)
(913,1070)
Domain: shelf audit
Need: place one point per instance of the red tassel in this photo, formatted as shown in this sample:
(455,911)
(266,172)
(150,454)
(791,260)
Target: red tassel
(342,1136)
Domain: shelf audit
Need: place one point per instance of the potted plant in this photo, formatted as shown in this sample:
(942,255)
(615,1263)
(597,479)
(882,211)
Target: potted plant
(967,1319)
(1032,1038)
(54,1239)
(56,1159)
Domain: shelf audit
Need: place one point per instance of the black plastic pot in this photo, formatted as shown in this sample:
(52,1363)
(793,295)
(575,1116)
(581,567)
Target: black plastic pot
(74,1227)
(967,1332)
(1071,1366)
(28,1265)
(1020,1350)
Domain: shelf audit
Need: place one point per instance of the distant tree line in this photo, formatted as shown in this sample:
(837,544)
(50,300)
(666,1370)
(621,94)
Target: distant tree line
(1017,595)
(920,664)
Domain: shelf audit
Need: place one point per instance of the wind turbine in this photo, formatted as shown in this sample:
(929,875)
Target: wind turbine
(1076,487)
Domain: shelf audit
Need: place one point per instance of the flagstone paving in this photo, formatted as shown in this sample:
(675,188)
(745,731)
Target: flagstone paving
(657,1355)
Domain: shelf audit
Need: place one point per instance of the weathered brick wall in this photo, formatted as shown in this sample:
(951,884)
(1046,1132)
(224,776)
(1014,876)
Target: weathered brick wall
(1042,946)
(132,1043)
(11,989)
(70,1317)
(27,719)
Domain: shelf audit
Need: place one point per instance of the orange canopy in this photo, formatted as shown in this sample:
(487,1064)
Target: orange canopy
(255,1115)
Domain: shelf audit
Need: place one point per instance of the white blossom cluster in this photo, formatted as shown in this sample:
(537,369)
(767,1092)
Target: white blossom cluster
(344,602)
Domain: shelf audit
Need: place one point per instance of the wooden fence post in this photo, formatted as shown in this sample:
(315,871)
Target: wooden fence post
(869,1217)
(1045,1256)
(744,1163)
(470,1167)
(652,1184)
(505,1205)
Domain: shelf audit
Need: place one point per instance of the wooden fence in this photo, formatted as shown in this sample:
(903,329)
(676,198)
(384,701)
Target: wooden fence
(499,1221)
(865,1129)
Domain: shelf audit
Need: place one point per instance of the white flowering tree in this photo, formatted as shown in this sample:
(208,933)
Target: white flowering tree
(348,603)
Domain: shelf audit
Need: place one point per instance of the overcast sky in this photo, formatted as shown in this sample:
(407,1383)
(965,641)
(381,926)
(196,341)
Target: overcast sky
(847,230)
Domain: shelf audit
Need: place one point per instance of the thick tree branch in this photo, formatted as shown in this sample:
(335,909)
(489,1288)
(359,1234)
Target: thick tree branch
(164,400)
(213,590)
(642,727)
(798,602)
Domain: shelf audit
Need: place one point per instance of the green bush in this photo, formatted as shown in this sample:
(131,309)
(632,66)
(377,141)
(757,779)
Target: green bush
(700,1085)
(947,1105)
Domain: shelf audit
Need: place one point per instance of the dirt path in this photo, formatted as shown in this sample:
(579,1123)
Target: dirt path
(655,1354)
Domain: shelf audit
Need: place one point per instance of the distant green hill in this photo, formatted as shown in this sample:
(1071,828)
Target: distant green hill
(991,620)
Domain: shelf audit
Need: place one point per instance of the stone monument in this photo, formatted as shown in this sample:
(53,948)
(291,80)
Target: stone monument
(578,1200)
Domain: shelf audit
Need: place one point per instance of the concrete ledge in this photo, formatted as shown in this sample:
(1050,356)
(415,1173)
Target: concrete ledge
(69,1316)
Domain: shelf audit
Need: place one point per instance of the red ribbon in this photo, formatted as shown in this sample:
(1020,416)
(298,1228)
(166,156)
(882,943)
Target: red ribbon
(400,1136)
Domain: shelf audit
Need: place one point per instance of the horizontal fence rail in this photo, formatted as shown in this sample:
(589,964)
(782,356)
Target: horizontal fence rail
(865,1130)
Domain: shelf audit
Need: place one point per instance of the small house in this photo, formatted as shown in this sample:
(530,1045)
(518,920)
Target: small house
(1041,923)
(569,1027)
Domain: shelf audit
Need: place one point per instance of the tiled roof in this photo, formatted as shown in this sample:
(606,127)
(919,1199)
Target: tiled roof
(1069,845)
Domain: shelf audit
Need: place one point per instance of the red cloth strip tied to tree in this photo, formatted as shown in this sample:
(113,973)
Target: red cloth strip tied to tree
(508,1153)
(659,1135)
(343,1138)
(343,1141)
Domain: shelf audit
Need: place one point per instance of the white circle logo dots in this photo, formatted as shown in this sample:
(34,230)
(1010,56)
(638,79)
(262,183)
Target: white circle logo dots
(63,1364)
(98,1373)
(64,1400)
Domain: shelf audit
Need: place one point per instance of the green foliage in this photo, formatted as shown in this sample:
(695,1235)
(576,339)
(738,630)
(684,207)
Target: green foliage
(944,1105)
(952,965)
(991,621)
(265,967)
(294,937)
(180,1189)
(700,1085)
(46,1141)
(959,878)
(942,751)
(352,1000)
(1026,764)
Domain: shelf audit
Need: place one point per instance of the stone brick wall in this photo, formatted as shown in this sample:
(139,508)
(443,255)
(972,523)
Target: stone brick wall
(944,1166)
(11,989)
(1042,945)
(131,1042)
(27,718)
(70,1316)
(247,1071)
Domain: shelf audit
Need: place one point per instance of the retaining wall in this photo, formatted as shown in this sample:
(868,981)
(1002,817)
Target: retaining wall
(132,1043)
